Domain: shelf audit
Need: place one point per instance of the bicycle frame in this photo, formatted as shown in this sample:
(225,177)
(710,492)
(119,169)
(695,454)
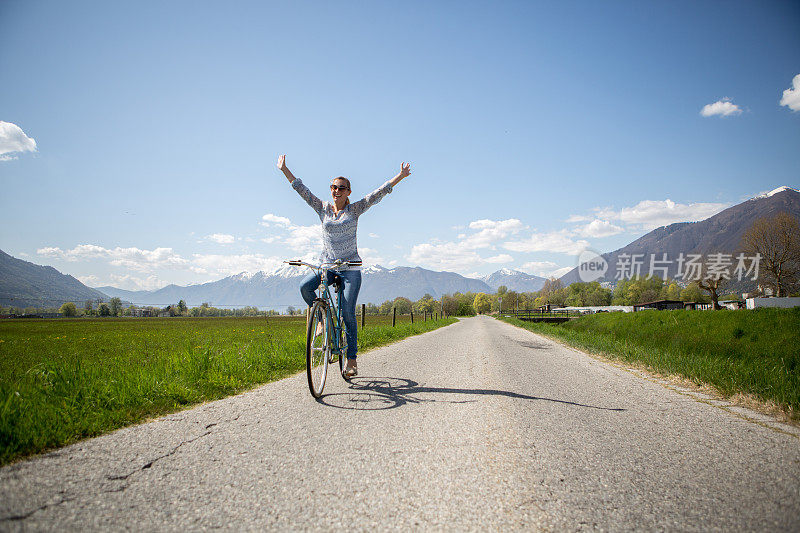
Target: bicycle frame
(334,316)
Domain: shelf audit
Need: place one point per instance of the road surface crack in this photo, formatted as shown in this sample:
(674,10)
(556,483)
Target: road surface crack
(25,516)
(124,477)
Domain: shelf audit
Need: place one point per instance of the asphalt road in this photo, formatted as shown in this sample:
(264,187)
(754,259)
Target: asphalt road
(476,426)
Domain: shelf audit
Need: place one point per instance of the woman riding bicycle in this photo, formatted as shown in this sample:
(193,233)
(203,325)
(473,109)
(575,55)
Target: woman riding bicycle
(339,224)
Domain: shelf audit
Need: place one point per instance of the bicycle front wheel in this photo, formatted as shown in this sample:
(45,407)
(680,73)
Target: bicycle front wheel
(343,346)
(318,348)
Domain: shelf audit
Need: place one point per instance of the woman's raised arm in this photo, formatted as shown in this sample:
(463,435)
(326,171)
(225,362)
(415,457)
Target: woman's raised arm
(297,184)
(405,170)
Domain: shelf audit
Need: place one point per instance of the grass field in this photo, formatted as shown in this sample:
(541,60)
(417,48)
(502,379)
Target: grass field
(754,352)
(62,380)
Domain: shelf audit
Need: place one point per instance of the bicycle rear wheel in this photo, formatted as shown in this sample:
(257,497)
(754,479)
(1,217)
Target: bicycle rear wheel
(318,348)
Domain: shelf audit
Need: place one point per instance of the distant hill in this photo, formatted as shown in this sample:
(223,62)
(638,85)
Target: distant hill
(720,233)
(514,280)
(25,284)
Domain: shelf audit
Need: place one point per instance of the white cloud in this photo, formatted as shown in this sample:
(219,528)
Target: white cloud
(13,140)
(791,97)
(501,258)
(651,214)
(448,256)
(300,239)
(90,281)
(133,258)
(461,256)
(723,108)
(532,267)
(598,228)
(221,238)
(270,219)
(134,283)
(126,281)
(304,239)
(371,257)
(228,265)
(555,241)
(147,261)
(491,232)
(374,235)
(578,218)
(544,269)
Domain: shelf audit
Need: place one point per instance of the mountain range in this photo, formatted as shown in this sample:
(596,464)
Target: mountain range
(280,289)
(25,284)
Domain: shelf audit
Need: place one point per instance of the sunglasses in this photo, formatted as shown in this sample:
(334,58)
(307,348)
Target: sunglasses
(338,188)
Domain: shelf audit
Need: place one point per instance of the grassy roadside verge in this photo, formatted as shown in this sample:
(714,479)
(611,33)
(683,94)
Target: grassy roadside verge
(65,380)
(749,352)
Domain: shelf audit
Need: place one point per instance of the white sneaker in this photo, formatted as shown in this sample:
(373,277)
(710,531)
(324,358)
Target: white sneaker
(351,369)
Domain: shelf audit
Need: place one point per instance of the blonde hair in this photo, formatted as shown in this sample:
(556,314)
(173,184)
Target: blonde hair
(347,201)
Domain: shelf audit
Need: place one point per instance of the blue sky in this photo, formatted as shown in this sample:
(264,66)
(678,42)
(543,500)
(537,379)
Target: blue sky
(139,140)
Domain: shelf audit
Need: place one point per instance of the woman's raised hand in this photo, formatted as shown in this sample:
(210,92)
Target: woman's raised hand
(405,169)
(283,168)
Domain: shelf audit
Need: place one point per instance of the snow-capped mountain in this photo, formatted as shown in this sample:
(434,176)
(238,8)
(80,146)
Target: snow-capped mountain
(280,288)
(774,192)
(514,280)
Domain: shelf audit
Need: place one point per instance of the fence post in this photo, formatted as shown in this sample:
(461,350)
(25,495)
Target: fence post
(412,316)
(394,315)
(363,308)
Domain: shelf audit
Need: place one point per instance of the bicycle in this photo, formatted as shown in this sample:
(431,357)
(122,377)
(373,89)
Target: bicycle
(326,337)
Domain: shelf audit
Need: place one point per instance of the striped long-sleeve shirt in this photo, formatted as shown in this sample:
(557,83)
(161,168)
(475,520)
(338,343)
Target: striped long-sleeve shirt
(339,230)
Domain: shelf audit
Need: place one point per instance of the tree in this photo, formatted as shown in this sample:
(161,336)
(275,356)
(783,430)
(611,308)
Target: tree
(103,309)
(553,292)
(182,308)
(482,303)
(290,310)
(449,305)
(672,292)
(464,304)
(87,307)
(403,305)
(693,293)
(638,290)
(711,286)
(386,307)
(777,240)
(426,304)
(116,306)
(69,309)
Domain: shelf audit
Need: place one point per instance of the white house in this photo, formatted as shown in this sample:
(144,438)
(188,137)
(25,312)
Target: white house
(755,303)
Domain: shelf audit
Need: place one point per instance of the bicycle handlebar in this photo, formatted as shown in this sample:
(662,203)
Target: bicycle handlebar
(297,262)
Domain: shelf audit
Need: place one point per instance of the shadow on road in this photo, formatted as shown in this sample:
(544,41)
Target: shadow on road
(374,393)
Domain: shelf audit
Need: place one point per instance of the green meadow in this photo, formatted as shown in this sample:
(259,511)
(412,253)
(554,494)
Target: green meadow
(754,352)
(63,380)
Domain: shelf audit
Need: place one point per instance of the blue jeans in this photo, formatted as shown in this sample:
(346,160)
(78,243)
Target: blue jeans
(351,281)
